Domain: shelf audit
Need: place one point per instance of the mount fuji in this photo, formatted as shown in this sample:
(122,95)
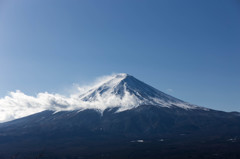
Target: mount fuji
(122,117)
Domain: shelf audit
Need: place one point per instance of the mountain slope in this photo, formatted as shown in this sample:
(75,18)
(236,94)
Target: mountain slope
(141,130)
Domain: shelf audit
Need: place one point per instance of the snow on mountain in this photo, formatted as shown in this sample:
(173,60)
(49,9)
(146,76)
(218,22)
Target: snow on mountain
(126,91)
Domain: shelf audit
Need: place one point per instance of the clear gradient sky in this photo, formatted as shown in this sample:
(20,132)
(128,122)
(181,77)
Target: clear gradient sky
(187,48)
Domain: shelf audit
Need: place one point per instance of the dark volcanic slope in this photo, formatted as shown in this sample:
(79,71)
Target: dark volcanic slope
(88,134)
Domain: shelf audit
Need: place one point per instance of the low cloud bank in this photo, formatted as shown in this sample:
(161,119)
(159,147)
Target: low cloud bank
(17,104)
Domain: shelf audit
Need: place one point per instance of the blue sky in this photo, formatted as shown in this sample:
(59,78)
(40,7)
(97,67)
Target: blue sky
(188,49)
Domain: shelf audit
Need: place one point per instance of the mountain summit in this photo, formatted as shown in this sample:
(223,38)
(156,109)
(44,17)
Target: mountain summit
(126,92)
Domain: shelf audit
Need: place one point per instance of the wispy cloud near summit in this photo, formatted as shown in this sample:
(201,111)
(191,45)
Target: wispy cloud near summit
(17,104)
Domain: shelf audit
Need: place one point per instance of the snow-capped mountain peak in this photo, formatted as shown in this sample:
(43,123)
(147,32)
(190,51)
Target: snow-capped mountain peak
(127,92)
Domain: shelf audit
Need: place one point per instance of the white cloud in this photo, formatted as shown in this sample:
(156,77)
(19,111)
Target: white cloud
(17,104)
